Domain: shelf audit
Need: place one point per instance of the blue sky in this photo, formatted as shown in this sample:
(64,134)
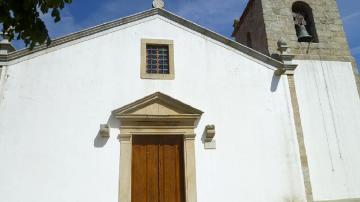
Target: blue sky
(217,15)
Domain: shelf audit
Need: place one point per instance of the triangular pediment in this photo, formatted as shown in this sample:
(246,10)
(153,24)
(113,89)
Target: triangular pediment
(157,104)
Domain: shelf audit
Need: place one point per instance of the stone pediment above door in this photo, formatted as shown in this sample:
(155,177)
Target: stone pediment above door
(157,108)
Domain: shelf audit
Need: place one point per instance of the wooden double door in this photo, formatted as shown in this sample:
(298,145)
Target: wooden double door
(157,169)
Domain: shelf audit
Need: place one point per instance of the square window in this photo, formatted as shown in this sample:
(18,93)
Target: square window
(157,60)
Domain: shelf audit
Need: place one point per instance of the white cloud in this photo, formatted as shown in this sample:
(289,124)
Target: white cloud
(351,16)
(356,50)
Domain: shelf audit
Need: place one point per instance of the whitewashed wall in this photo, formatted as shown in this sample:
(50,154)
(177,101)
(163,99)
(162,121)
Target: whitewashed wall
(330,113)
(53,105)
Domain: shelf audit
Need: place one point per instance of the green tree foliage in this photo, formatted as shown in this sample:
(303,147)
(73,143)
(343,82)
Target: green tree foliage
(21,19)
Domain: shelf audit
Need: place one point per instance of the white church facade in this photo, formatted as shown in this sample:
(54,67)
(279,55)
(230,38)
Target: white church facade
(153,107)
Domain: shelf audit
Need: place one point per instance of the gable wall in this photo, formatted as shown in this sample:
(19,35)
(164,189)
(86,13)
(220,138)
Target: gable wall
(53,104)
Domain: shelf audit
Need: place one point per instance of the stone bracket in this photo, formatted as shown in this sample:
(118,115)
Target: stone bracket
(104,130)
(208,137)
(287,69)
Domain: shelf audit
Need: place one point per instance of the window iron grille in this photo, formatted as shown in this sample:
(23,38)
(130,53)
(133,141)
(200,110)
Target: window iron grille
(157,59)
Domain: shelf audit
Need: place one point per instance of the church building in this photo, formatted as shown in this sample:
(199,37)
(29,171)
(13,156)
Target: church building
(155,108)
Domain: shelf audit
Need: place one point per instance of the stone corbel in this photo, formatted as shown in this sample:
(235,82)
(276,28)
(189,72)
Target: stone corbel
(288,68)
(208,137)
(104,130)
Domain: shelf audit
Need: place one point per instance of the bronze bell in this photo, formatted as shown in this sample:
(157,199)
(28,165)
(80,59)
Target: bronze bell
(303,34)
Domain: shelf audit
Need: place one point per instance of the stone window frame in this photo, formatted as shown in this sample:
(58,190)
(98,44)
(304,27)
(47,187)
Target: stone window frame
(157,114)
(143,73)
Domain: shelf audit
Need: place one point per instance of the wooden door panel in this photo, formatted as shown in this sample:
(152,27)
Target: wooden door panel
(168,175)
(159,159)
(152,175)
(139,174)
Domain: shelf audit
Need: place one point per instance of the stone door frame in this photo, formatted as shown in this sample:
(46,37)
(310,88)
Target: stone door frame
(157,114)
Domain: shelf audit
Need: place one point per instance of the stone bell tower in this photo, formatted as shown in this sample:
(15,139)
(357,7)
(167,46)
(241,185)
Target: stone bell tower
(312,30)
(324,88)
(264,22)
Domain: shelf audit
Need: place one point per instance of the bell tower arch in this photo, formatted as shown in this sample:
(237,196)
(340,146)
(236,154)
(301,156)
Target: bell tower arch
(304,22)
